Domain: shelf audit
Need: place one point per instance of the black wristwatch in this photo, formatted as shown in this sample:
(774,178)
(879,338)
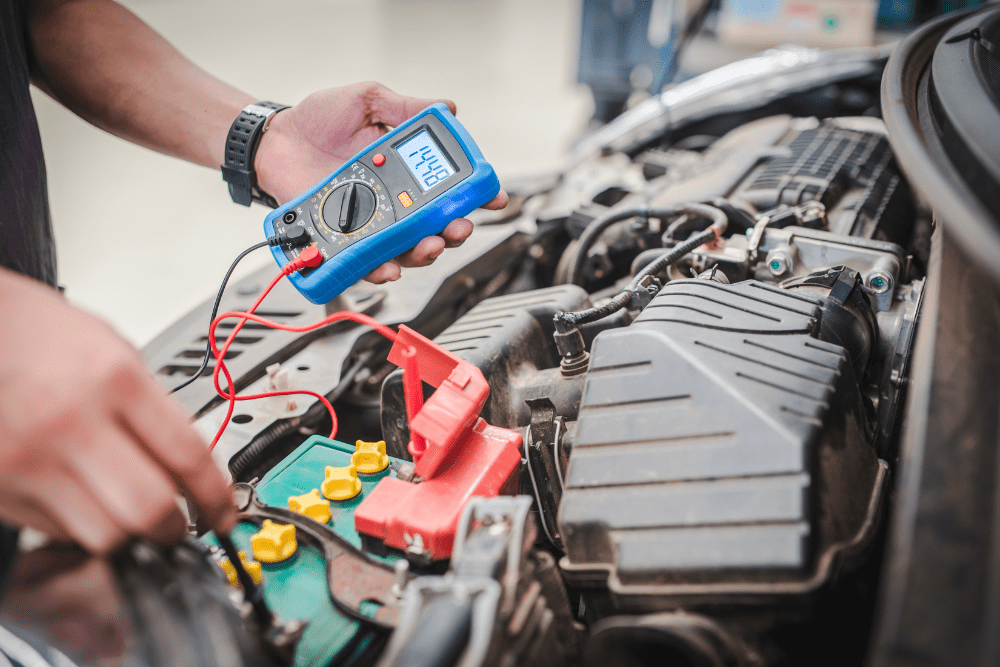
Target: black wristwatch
(241,147)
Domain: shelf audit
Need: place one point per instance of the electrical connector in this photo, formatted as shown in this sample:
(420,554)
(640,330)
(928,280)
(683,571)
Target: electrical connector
(310,257)
(294,236)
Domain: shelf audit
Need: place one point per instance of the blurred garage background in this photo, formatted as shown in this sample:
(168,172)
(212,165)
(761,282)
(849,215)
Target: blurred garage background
(510,65)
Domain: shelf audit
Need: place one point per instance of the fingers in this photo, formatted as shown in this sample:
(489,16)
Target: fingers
(77,512)
(391,108)
(134,491)
(497,203)
(431,247)
(426,251)
(162,429)
(386,273)
(456,232)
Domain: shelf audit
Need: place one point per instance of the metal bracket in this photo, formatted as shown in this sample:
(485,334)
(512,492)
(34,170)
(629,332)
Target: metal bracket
(540,450)
(352,576)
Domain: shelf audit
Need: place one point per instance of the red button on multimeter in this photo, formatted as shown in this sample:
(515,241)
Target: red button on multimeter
(378,160)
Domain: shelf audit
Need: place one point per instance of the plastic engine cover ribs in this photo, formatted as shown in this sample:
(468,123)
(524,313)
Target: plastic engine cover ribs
(721,448)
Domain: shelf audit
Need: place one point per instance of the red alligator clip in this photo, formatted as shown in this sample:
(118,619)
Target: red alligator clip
(455,451)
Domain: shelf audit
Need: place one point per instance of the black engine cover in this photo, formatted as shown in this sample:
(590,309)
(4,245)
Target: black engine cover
(720,444)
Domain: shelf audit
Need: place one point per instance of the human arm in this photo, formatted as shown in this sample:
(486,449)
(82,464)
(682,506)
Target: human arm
(106,65)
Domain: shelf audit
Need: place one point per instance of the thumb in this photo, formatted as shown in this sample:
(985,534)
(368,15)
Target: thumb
(392,109)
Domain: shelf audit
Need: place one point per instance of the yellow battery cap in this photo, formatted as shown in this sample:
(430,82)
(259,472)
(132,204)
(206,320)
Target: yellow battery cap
(370,457)
(274,543)
(341,483)
(251,566)
(312,505)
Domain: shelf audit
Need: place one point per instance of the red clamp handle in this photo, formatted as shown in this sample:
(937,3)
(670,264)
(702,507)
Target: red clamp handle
(451,412)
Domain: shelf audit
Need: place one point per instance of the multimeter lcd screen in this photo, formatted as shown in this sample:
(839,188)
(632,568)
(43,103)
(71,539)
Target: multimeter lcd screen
(425,159)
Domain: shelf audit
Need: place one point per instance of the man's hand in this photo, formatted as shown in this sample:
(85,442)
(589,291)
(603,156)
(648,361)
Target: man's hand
(91,448)
(103,63)
(306,143)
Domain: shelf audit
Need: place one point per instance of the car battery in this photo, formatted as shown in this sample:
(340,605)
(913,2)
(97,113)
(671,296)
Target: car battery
(296,587)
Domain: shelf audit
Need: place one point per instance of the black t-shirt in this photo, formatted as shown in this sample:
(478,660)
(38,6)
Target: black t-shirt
(26,242)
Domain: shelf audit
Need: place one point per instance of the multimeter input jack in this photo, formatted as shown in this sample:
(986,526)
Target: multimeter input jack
(297,236)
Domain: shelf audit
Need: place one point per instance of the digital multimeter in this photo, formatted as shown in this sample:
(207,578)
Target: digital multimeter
(407,185)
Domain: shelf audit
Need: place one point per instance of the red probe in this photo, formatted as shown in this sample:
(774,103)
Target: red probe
(309,257)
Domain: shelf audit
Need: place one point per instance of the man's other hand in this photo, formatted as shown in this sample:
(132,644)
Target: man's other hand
(91,447)
(305,144)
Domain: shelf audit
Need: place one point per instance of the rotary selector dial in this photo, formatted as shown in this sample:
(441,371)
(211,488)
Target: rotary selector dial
(349,207)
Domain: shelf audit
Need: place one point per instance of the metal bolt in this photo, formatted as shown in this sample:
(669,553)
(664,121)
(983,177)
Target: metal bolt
(879,281)
(402,568)
(779,263)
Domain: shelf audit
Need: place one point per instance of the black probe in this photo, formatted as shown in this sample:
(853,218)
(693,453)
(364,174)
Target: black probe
(254,594)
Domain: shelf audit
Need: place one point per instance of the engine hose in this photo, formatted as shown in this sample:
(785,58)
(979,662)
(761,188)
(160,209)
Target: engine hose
(578,251)
(644,258)
(683,224)
(718,226)
(261,442)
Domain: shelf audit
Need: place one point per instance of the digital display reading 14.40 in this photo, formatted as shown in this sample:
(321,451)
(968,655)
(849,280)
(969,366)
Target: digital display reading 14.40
(425,160)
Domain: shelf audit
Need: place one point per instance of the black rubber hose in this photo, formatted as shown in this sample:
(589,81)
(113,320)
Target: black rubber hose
(679,225)
(441,634)
(643,259)
(578,252)
(260,444)
(564,321)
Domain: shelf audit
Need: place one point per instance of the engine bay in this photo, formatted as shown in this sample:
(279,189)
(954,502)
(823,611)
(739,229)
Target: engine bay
(691,351)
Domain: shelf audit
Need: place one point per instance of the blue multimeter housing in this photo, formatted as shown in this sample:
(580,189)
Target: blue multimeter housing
(407,185)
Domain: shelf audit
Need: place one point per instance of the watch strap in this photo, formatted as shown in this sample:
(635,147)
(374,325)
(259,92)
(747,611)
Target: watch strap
(241,148)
